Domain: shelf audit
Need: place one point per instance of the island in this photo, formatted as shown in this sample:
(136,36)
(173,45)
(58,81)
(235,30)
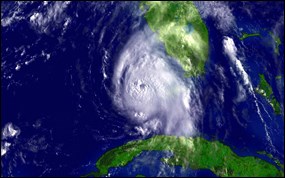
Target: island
(265,90)
(182,31)
(278,77)
(246,35)
(193,152)
(140,175)
(277,43)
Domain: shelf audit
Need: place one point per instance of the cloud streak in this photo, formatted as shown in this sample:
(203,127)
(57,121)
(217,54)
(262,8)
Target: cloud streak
(231,51)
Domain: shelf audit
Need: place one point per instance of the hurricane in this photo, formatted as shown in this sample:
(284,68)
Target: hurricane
(142,89)
(150,91)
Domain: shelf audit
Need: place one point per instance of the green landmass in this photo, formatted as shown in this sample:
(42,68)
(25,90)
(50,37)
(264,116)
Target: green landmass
(246,35)
(139,175)
(265,90)
(271,157)
(196,153)
(181,29)
(278,77)
(277,43)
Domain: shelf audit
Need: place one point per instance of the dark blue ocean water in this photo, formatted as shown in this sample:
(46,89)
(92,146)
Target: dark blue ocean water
(243,130)
(67,93)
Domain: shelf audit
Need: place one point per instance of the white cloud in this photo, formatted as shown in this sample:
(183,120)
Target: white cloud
(12,15)
(241,95)
(4,148)
(18,67)
(220,11)
(52,16)
(9,131)
(149,91)
(231,51)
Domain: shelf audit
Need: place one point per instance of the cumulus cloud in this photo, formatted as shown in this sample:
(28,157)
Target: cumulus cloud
(13,11)
(53,14)
(4,147)
(220,74)
(219,11)
(46,16)
(231,52)
(149,91)
(9,131)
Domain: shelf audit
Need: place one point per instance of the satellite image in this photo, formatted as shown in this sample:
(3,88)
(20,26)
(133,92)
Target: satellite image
(142,89)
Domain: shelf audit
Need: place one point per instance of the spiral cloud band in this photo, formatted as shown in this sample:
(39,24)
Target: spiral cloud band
(150,92)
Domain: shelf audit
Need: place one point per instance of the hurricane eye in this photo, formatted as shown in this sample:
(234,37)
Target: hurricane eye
(142,86)
(152,90)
